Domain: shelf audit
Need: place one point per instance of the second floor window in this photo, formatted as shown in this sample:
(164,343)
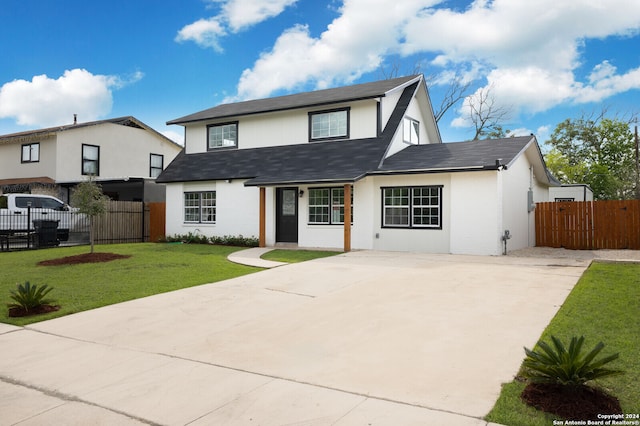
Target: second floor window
(90,160)
(329,124)
(31,153)
(411,131)
(222,136)
(156,166)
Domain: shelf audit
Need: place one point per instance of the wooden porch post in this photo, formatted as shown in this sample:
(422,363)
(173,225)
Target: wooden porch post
(263,219)
(347,217)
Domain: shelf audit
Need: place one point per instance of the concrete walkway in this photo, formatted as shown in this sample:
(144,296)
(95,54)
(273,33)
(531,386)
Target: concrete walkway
(364,338)
(252,257)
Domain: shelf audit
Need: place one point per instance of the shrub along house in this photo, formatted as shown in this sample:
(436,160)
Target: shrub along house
(356,167)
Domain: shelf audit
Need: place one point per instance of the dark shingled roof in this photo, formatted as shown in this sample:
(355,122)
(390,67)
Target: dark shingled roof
(299,100)
(340,161)
(480,154)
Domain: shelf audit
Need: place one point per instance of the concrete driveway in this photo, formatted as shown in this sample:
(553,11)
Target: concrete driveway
(365,338)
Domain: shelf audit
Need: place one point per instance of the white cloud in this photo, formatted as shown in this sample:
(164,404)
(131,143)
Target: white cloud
(45,102)
(354,43)
(234,16)
(204,32)
(174,136)
(529,51)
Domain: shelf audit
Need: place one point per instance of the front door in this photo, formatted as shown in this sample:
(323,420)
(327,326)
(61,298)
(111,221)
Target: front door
(287,215)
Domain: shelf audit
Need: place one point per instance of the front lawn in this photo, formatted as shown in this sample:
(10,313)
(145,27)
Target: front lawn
(151,269)
(294,256)
(603,306)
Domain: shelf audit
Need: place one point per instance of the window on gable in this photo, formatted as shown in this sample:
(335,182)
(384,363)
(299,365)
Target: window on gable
(31,153)
(90,160)
(411,131)
(329,124)
(156,165)
(200,207)
(412,207)
(222,136)
(326,206)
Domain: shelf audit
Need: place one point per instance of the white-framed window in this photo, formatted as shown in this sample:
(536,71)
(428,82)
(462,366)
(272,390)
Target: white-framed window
(222,136)
(326,206)
(200,207)
(412,207)
(156,164)
(31,152)
(90,160)
(332,124)
(411,131)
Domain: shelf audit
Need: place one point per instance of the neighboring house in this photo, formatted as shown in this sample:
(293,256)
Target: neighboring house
(356,167)
(571,192)
(123,154)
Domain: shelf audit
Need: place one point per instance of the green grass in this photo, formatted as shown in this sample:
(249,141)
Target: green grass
(294,256)
(603,306)
(151,269)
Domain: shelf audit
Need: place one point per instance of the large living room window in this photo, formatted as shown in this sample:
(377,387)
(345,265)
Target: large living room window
(222,136)
(200,207)
(90,160)
(332,124)
(412,207)
(31,152)
(326,206)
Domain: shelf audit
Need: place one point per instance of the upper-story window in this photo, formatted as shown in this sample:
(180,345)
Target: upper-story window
(222,136)
(31,153)
(90,160)
(411,131)
(332,124)
(156,165)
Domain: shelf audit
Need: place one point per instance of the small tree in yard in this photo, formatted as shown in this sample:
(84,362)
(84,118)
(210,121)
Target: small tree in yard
(90,200)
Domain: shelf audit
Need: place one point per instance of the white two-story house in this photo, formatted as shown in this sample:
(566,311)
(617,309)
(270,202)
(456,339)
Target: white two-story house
(123,154)
(356,167)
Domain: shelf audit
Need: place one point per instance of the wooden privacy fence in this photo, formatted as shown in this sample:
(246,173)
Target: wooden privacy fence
(588,225)
(130,221)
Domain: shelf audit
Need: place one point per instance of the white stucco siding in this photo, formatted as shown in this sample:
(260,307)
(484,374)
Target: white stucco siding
(517,180)
(285,127)
(12,167)
(124,151)
(410,239)
(476,213)
(237,209)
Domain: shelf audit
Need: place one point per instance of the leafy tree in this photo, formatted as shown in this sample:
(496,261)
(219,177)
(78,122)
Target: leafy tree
(90,200)
(596,151)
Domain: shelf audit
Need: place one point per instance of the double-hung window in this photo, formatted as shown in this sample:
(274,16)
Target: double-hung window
(326,206)
(222,136)
(411,131)
(156,164)
(31,153)
(412,207)
(332,124)
(90,160)
(200,207)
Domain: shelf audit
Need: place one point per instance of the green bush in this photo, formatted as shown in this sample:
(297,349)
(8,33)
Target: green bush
(29,296)
(556,364)
(227,240)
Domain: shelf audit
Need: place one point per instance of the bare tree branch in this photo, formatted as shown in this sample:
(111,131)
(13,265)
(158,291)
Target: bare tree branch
(484,113)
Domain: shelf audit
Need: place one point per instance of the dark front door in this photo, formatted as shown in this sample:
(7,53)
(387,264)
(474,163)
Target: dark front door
(287,215)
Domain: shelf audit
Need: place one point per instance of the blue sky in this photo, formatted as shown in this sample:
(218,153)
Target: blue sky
(543,60)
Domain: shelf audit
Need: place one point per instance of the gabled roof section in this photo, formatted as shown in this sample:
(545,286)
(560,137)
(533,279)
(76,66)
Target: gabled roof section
(300,100)
(32,135)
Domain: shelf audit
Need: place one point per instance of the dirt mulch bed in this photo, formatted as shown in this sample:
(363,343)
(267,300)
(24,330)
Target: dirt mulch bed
(17,311)
(84,258)
(579,403)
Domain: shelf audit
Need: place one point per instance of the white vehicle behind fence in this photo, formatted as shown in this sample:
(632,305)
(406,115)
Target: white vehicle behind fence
(24,213)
